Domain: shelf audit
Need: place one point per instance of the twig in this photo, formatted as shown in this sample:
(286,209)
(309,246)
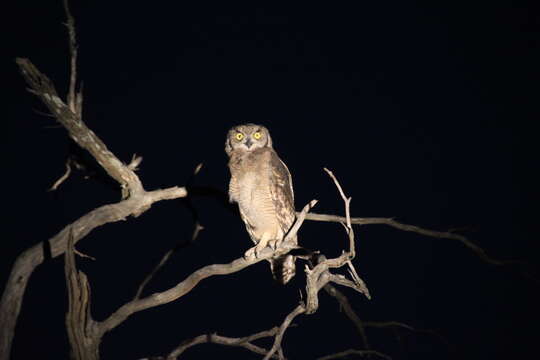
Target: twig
(347,223)
(300,217)
(198,228)
(62,178)
(83,255)
(341,193)
(135,162)
(198,168)
(357,284)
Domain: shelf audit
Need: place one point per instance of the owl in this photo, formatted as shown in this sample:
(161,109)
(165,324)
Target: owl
(261,185)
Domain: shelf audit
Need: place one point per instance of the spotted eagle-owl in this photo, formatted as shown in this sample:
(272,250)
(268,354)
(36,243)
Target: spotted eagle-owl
(261,185)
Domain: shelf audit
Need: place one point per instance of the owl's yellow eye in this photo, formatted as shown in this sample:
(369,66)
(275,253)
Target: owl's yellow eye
(257,135)
(239,136)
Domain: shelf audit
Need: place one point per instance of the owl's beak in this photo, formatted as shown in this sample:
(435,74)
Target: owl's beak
(248,143)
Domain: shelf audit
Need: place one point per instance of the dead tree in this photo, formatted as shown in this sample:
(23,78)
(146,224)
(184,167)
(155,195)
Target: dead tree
(84,333)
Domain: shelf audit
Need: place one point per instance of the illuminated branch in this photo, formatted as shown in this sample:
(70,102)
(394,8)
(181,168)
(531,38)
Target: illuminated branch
(318,275)
(193,280)
(136,199)
(245,342)
(416,229)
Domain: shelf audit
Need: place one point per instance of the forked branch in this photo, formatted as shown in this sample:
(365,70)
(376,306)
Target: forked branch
(318,275)
(193,280)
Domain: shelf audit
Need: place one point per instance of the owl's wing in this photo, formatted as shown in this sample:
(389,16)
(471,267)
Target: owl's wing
(281,191)
(233,190)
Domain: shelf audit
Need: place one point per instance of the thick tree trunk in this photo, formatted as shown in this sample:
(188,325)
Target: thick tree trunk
(10,305)
(83,333)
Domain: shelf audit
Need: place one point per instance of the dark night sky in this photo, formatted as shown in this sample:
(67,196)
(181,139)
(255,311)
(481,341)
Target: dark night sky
(423,110)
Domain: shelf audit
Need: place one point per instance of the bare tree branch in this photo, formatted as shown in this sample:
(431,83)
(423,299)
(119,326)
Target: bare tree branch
(62,178)
(26,262)
(41,86)
(245,342)
(362,325)
(319,275)
(72,95)
(70,117)
(347,223)
(79,324)
(77,252)
(177,291)
(193,280)
(416,229)
(362,353)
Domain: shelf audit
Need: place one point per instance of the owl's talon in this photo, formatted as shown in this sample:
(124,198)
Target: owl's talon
(250,253)
(259,248)
(273,244)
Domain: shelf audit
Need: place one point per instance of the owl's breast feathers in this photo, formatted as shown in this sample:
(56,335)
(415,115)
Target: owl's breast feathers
(261,185)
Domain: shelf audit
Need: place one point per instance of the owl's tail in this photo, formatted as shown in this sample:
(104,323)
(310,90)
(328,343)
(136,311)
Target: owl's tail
(283,268)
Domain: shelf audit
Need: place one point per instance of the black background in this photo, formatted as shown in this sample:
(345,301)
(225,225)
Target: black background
(425,111)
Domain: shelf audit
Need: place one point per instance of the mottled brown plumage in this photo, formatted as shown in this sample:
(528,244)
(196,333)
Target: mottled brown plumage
(261,185)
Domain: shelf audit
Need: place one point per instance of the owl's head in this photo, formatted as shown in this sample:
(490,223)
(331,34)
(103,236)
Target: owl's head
(247,137)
